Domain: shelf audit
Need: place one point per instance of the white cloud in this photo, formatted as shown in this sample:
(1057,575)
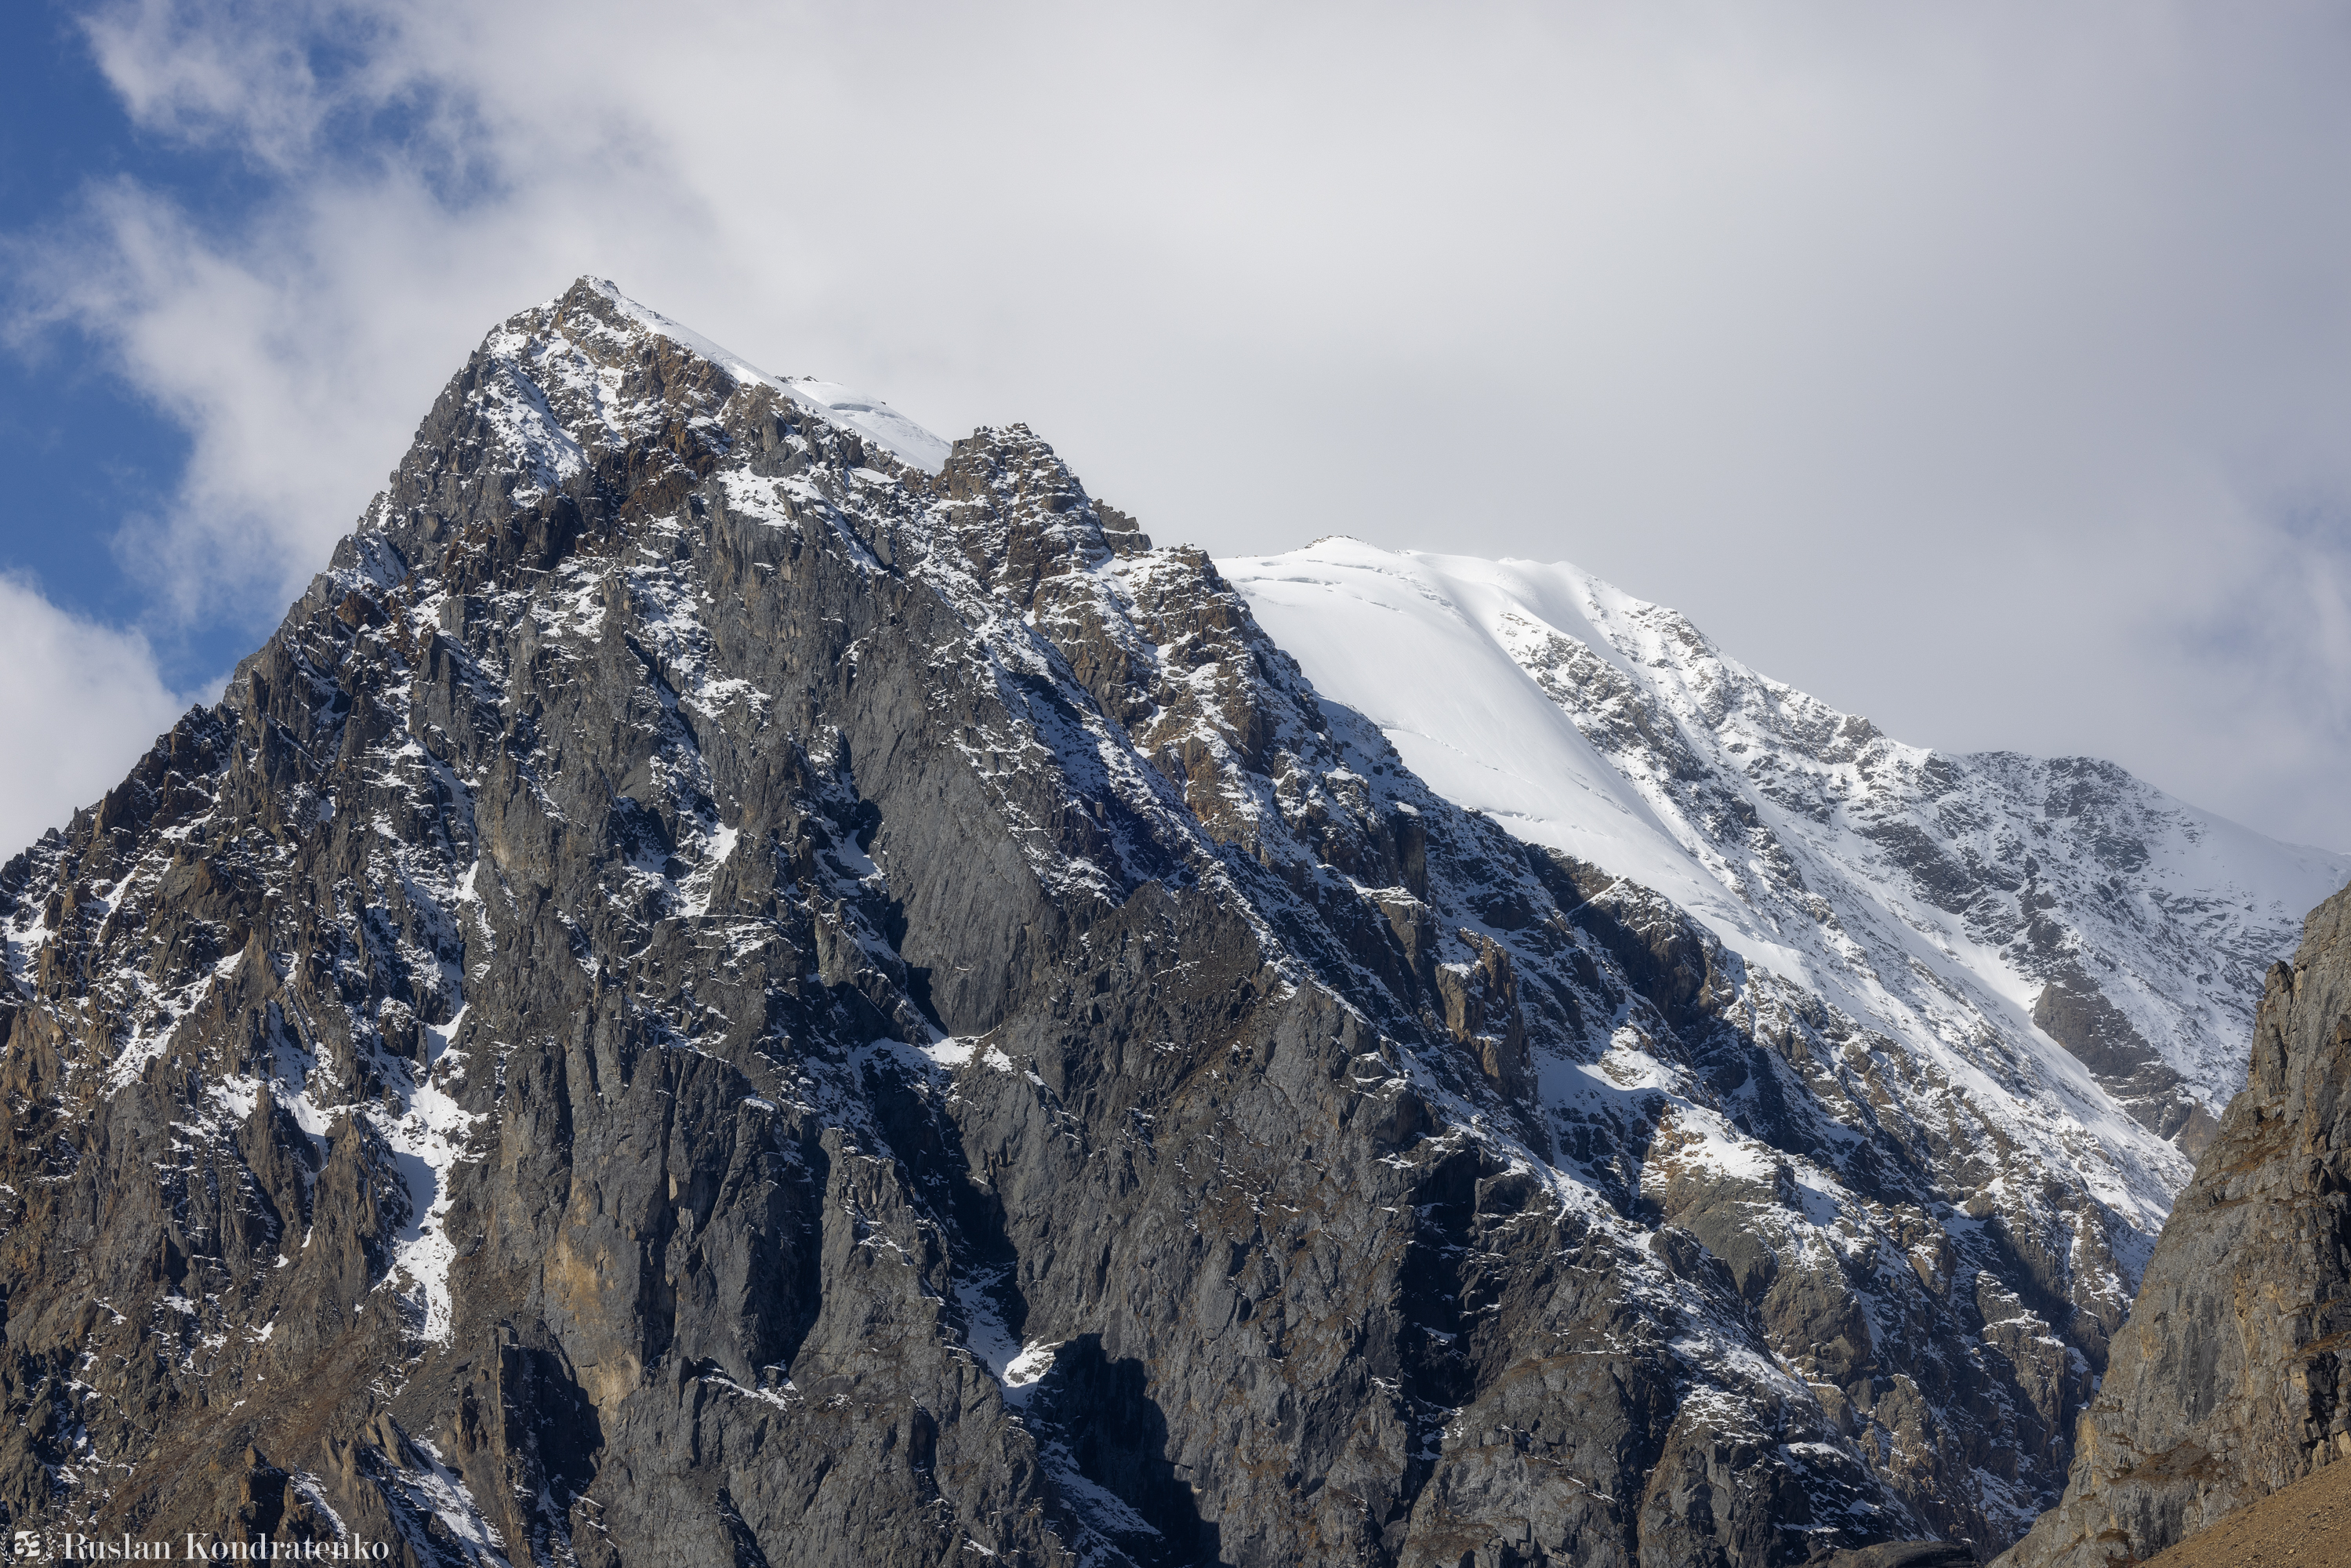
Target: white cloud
(1969,366)
(80,702)
(178,70)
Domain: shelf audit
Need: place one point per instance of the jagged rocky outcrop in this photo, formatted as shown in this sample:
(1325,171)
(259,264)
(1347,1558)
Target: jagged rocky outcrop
(2229,1381)
(737,982)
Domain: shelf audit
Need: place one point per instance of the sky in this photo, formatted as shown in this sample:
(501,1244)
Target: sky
(1983,369)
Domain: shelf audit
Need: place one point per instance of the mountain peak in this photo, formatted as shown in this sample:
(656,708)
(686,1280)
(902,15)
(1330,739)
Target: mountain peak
(600,301)
(717,988)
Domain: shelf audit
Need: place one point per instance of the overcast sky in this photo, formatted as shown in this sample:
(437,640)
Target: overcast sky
(1985,369)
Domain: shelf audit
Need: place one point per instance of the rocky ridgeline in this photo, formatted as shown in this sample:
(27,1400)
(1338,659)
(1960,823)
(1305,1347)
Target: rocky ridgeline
(715,995)
(2229,1382)
(2045,877)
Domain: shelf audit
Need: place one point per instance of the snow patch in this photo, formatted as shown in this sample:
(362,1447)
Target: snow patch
(428,1142)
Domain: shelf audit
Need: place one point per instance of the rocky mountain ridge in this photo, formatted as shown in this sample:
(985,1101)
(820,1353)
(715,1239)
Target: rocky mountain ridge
(738,978)
(2031,922)
(2227,1384)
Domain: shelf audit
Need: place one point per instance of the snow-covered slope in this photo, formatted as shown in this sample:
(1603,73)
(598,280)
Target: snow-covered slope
(2056,934)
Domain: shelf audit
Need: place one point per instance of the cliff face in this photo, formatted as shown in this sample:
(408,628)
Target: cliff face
(738,983)
(2229,1381)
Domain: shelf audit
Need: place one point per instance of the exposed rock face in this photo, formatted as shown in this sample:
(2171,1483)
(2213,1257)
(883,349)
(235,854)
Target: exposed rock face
(2229,1381)
(713,993)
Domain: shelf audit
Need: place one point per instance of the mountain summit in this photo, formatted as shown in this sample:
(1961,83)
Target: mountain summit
(738,981)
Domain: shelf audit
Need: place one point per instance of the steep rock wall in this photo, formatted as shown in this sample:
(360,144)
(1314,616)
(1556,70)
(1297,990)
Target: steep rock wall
(2229,1381)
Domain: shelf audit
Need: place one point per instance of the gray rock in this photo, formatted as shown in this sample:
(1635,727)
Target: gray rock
(2227,1383)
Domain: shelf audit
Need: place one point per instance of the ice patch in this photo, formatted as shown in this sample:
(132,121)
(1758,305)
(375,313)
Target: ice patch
(1031,1366)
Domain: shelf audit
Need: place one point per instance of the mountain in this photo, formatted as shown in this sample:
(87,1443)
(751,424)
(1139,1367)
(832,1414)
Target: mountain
(1981,908)
(738,979)
(2228,1383)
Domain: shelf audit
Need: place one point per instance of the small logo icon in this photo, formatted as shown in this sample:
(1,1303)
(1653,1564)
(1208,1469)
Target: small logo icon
(28,1544)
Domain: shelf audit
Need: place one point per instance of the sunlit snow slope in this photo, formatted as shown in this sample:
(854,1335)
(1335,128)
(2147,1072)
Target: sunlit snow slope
(2034,921)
